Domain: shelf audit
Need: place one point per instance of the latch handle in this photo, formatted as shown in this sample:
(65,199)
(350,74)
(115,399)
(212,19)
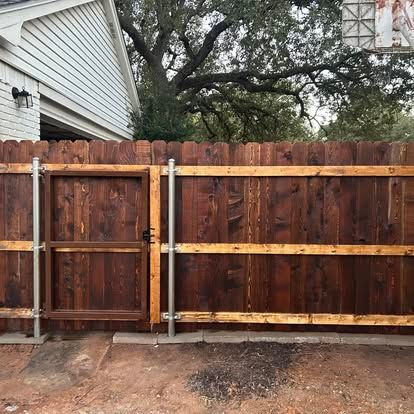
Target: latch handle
(146,236)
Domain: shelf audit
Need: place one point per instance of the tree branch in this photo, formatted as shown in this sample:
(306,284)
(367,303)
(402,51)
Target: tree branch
(204,51)
(141,47)
(244,77)
(165,29)
(186,42)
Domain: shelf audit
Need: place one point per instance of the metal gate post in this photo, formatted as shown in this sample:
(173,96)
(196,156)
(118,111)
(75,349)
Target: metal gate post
(171,247)
(36,247)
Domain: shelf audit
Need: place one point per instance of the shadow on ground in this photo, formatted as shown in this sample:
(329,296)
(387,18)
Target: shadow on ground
(241,371)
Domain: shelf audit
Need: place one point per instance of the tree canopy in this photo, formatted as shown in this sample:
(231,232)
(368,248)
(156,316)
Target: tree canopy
(238,70)
(370,115)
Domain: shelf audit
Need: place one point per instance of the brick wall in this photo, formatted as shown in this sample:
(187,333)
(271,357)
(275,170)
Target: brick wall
(18,123)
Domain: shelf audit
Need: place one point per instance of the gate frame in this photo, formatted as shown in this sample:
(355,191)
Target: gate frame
(92,246)
(155,247)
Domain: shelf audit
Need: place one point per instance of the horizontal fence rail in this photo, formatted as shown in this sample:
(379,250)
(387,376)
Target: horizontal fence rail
(291,249)
(227,171)
(295,171)
(16,168)
(16,313)
(297,319)
(16,246)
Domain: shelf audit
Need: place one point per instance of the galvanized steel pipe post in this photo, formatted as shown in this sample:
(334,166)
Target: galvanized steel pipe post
(171,247)
(36,247)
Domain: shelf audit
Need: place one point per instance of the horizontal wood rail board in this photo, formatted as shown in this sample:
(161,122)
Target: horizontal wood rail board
(135,246)
(292,249)
(230,171)
(295,171)
(97,173)
(297,319)
(95,315)
(26,168)
(15,168)
(16,313)
(67,247)
(96,250)
(107,168)
(16,246)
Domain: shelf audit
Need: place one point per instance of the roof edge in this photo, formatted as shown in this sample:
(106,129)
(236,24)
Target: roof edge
(13,16)
(112,17)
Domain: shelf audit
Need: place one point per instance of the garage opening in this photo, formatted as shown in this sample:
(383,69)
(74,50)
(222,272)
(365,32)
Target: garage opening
(50,132)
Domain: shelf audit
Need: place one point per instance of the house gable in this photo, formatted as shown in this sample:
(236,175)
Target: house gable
(13,16)
(78,56)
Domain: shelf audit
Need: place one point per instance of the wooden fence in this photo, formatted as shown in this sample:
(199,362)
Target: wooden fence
(318,233)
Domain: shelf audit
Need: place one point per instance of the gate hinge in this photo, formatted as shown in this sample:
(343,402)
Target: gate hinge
(165,248)
(41,169)
(37,314)
(166,317)
(41,247)
(176,170)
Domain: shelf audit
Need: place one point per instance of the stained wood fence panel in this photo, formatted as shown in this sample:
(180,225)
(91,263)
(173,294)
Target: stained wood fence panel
(330,283)
(96,209)
(317,210)
(406,277)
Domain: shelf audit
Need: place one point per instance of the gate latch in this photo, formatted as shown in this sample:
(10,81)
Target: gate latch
(146,235)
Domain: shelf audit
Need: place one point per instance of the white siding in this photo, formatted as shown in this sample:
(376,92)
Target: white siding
(18,123)
(73,52)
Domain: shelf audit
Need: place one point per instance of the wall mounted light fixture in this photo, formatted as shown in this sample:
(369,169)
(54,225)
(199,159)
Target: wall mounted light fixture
(23,98)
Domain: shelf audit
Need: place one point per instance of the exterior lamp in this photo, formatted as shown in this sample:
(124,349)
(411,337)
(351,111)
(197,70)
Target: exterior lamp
(23,98)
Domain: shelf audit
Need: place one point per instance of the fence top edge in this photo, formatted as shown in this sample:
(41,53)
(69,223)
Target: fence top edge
(166,142)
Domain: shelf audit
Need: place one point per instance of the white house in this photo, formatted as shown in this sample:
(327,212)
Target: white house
(70,56)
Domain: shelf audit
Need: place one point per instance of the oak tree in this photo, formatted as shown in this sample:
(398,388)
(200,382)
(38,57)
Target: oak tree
(240,70)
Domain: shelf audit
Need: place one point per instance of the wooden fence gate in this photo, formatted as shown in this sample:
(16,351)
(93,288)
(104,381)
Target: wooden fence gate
(95,252)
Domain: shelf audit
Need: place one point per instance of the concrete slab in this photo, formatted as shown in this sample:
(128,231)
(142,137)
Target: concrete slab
(379,340)
(399,340)
(18,338)
(181,338)
(237,337)
(80,335)
(294,337)
(225,337)
(327,337)
(135,338)
(362,339)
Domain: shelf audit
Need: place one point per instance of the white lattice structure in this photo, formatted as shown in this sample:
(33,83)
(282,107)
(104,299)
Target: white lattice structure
(381,26)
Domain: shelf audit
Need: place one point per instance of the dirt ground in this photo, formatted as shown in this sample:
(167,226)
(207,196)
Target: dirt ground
(93,376)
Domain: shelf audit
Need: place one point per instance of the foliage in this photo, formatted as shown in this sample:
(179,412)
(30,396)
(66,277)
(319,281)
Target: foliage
(368,114)
(242,116)
(403,129)
(160,118)
(248,69)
